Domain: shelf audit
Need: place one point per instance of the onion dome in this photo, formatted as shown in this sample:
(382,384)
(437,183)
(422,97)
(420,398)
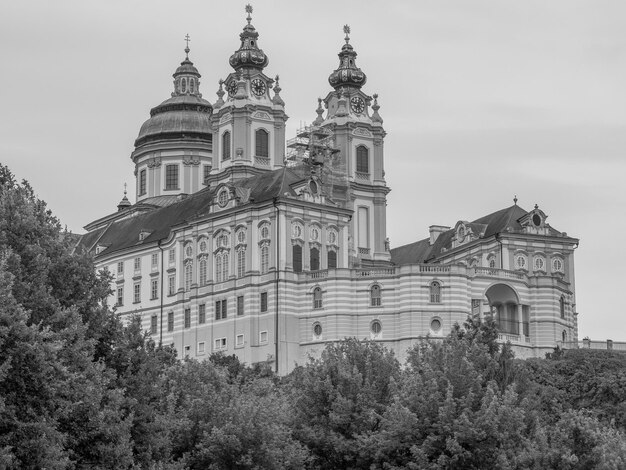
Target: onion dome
(347,74)
(249,55)
(183,115)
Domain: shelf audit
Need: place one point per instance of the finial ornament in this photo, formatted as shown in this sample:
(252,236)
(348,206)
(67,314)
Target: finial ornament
(346,29)
(124,189)
(187,39)
(515,200)
(249,12)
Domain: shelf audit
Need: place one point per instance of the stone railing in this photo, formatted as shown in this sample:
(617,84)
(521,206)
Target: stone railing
(364,251)
(317,274)
(434,268)
(263,161)
(379,272)
(608,345)
(494,272)
(362,176)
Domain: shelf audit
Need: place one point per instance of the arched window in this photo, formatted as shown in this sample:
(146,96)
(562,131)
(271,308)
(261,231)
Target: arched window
(191,85)
(362,159)
(202,273)
(435,292)
(317,297)
(375,296)
(315,259)
(183,87)
(221,267)
(332,259)
(562,306)
(261,138)
(226,145)
(265,259)
(297,258)
(188,275)
(564,335)
(241,262)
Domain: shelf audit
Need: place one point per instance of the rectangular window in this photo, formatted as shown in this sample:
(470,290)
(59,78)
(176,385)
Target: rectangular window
(154,289)
(220,309)
(136,292)
(240,305)
(120,296)
(364,225)
(239,340)
(153,325)
(142,182)
(207,172)
(171,284)
(137,264)
(120,267)
(263,301)
(172,256)
(297,258)
(201,347)
(187,318)
(170,321)
(171,176)
(332,259)
(263,337)
(154,260)
(201,314)
(220,343)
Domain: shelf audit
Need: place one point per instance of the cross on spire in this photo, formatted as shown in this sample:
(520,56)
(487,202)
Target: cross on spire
(249,12)
(187,39)
(346,29)
(124,189)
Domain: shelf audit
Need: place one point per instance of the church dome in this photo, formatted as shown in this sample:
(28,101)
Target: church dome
(249,55)
(347,74)
(185,115)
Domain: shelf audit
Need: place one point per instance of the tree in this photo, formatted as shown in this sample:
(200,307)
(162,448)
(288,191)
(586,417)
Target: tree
(340,399)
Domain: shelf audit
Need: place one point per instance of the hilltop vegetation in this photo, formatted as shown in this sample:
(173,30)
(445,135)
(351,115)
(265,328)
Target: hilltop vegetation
(80,390)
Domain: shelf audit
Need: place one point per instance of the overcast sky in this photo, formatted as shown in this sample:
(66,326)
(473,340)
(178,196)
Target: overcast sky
(481,100)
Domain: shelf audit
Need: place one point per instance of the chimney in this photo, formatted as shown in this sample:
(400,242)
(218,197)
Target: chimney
(435,231)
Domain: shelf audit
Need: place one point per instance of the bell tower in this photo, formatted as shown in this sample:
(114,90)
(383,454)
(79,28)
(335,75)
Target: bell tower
(249,114)
(353,118)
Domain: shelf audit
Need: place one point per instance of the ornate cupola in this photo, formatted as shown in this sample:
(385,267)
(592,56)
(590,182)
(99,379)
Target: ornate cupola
(249,118)
(352,117)
(173,151)
(249,55)
(347,74)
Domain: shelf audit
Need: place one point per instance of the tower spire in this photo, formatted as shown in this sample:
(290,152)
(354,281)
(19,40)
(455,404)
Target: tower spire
(347,74)
(249,55)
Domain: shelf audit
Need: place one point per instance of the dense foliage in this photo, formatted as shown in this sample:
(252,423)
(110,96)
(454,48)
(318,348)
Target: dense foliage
(79,390)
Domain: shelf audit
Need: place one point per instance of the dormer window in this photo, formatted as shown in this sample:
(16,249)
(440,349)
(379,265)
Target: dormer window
(222,198)
(536,220)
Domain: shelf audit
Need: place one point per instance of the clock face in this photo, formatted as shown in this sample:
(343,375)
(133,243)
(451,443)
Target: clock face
(232,87)
(258,87)
(357,104)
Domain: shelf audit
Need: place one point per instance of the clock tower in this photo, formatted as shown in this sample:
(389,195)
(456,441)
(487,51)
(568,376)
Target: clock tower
(249,114)
(353,118)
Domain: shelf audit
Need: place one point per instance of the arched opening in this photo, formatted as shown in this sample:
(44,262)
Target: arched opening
(262,143)
(226,145)
(506,310)
(362,160)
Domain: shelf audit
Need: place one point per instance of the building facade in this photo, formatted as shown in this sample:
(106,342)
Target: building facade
(244,242)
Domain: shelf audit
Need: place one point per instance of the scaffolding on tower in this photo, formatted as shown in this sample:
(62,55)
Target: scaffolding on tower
(313,145)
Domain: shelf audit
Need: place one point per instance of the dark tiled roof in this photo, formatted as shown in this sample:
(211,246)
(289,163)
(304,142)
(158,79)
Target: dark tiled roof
(504,220)
(124,233)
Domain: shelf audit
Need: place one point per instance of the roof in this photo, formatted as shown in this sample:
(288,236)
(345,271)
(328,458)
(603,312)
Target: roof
(157,223)
(504,220)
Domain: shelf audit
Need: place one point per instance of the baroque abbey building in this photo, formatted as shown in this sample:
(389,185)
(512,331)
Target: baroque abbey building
(244,242)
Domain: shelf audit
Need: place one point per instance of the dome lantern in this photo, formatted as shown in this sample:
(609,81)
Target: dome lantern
(249,56)
(347,75)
